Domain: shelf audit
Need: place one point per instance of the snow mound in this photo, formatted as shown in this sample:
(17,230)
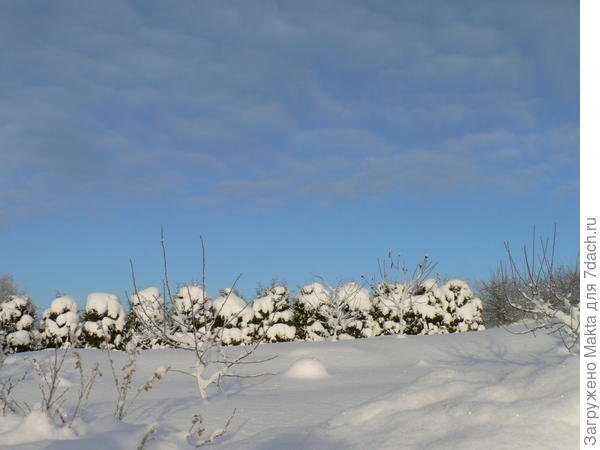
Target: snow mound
(36,426)
(307,369)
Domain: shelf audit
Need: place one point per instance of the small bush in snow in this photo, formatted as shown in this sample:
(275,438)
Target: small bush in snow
(192,309)
(345,311)
(123,380)
(308,319)
(358,321)
(232,316)
(496,310)
(17,324)
(464,308)
(395,289)
(104,321)
(424,310)
(430,309)
(145,320)
(540,289)
(385,312)
(60,326)
(272,315)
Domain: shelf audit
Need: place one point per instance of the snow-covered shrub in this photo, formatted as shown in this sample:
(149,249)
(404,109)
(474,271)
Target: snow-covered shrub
(17,324)
(394,292)
(343,312)
(272,315)
(425,310)
(146,319)
(232,316)
(103,321)
(308,319)
(357,312)
(389,305)
(60,326)
(192,309)
(430,309)
(464,309)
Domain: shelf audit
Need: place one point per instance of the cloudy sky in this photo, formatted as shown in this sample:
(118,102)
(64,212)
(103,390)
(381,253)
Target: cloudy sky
(298,138)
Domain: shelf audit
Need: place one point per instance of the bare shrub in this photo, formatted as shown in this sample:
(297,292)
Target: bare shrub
(7,402)
(123,380)
(85,384)
(48,372)
(536,288)
(196,431)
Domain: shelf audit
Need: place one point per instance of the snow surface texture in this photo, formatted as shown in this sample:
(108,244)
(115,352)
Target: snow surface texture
(490,389)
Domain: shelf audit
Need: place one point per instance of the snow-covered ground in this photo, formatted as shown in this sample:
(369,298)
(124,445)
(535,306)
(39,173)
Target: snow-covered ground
(480,390)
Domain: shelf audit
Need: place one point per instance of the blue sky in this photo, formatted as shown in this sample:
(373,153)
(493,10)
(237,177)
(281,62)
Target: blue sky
(298,138)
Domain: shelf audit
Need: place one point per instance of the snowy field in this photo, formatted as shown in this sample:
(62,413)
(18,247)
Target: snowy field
(478,390)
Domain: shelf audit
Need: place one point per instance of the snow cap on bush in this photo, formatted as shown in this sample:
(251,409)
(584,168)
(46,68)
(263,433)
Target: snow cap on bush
(189,298)
(313,295)
(356,296)
(148,303)
(231,307)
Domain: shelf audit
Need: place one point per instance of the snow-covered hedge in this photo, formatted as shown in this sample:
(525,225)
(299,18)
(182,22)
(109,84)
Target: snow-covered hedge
(272,316)
(343,312)
(308,320)
(232,318)
(463,306)
(104,321)
(145,321)
(388,308)
(192,309)
(17,325)
(357,311)
(60,325)
(432,309)
(320,312)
